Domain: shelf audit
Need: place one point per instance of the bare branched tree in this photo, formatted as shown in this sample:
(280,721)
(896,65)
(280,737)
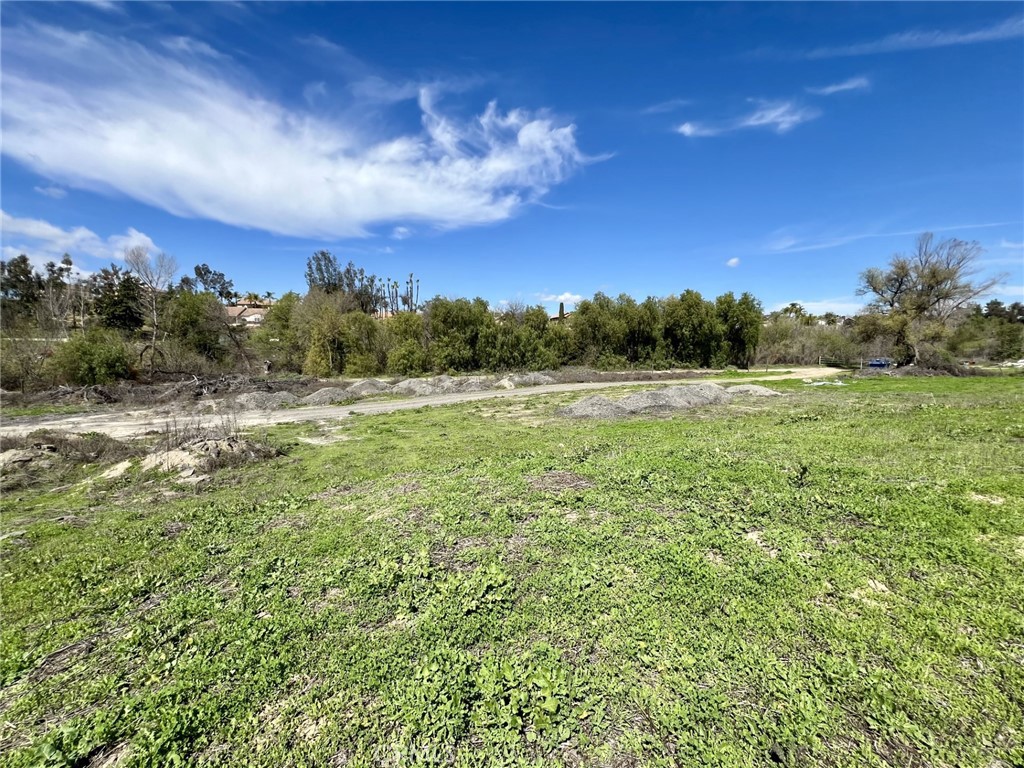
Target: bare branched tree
(155,274)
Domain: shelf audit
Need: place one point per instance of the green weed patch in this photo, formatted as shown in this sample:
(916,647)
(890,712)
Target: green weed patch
(834,577)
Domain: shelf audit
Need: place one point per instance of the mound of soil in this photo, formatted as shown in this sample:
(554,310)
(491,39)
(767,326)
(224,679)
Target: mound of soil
(652,401)
(473,384)
(415,387)
(594,407)
(753,390)
(365,387)
(327,396)
(265,401)
(524,380)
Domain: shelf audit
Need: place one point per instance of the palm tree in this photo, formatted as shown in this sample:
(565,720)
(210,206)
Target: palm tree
(269,297)
(794,310)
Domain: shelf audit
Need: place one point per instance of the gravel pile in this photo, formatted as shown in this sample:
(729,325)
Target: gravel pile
(594,407)
(753,390)
(474,384)
(415,387)
(652,401)
(365,387)
(327,396)
(524,380)
(265,401)
(530,379)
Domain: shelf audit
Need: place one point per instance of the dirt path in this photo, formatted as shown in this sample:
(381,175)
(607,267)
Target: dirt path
(139,422)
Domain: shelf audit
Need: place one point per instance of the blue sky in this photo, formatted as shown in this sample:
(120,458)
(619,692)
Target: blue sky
(518,151)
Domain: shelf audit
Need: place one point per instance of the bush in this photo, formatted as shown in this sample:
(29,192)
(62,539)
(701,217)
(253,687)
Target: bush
(21,357)
(408,358)
(96,357)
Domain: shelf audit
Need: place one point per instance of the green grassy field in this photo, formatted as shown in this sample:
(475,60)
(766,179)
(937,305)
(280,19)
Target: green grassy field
(831,578)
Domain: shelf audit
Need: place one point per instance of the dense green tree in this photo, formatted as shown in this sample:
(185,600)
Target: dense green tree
(277,340)
(642,324)
(361,339)
(693,332)
(741,322)
(360,291)
(20,287)
(599,331)
(454,328)
(213,281)
(117,299)
(516,341)
(407,344)
(323,273)
(197,322)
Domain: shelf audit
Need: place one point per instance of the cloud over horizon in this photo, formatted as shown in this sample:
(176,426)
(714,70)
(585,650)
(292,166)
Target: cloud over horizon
(843,305)
(176,127)
(567,297)
(42,241)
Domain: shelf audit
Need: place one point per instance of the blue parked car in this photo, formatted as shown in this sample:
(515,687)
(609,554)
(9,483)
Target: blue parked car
(880,362)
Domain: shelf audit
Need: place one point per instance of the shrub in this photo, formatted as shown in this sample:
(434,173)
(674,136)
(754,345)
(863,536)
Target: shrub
(408,358)
(95,357)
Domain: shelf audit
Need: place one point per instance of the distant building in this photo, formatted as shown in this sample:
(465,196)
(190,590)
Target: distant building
(246,314)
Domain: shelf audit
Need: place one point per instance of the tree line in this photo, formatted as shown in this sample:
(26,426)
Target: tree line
(138,319)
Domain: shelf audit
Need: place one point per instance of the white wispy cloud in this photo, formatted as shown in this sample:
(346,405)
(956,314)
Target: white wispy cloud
(779,116)
(192,136)
(782,242)
(670,105)
(921,39)
(189,45)
(106,5)
(853,84)
(843,305)
(42,241)
(401,233)
(733,262)
(57,193)
(313,91)
(1004,243)
(567,297)
(1015,292)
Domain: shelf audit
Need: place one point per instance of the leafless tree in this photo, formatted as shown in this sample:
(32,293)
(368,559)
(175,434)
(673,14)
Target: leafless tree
(155,273)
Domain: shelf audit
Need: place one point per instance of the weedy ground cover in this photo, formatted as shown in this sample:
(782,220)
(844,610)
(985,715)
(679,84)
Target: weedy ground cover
(830,578)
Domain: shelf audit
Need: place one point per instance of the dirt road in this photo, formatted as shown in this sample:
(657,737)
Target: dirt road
(138,422)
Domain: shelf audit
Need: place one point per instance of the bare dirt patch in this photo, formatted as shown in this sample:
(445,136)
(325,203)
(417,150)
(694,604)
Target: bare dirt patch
(866,595)
(986,499)
(174,529)
(293,522)
(451,556)
(714,557)
(338,492)
(110,757)
(558,481)
(757,537)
